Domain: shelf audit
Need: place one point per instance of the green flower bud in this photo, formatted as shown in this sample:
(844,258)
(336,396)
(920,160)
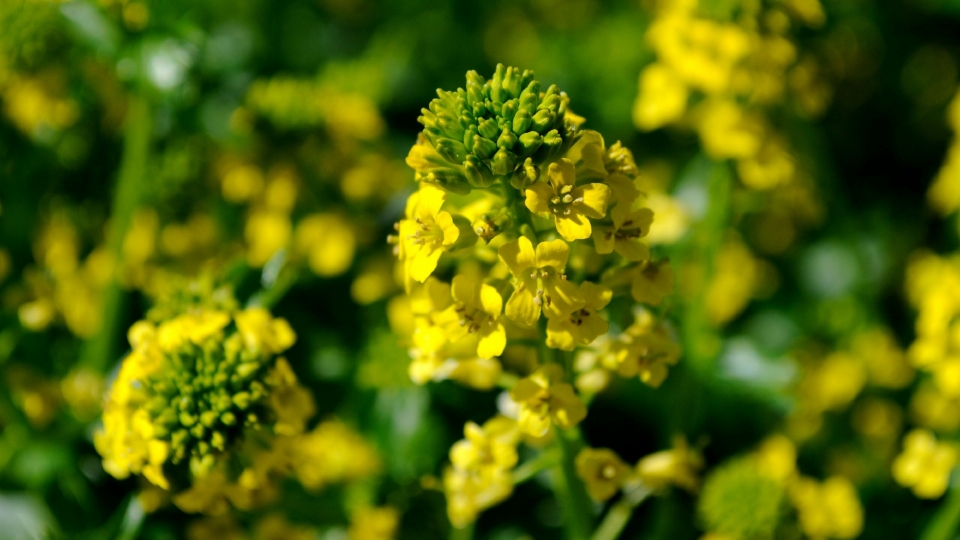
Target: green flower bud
(529,143)
(477,173)
(451,149)
(522,121)
(491,118)
(504,162)
(507,140)
(488,128)
(484,147)
(543,120)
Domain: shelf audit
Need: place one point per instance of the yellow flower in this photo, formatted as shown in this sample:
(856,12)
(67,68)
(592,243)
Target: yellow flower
(602,471)
(470,492)
(777,458)
(828,510)
(629,226)
(925,464)
(542,284)
(493,445)
(726,131)
(333,453)
(262,332)
(370,523)
(426,232)
(215,528)
(652,282)
(584,325)
(328,242)
(662,99)
(644,350)
(476,310)
(436,358)
(678,466)
(545,400)
(266,233)
(569,204)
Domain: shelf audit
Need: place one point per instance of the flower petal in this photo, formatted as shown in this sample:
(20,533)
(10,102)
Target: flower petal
(595,200)
(560,335)
(595,296)
(603,239)
(423,263)
(632,249)
(538,197)
(522,309)
(518,255)
(490,300)
(450,231)
(562,297)
(553,253)
(562,173)
(492,342)
(574,226)
(431,199)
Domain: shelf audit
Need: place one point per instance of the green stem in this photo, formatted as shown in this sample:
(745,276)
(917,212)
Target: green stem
(462,533)
(619,515)
(946,521)
(103,348)
(546,459)
(570,492)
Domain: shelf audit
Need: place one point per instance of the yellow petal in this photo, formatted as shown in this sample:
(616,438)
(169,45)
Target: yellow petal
(553,253)
(567,408)
(603,239)
(595,296)
(431,199)
(538,197)
(574,226)
(518,255)
(564,297)
(450,231)
(493,343)
(632,249)
(595,200)
(464,289)
(490,300)
(524,390)
(562,173)
(522,309)
(423,264)
(559,335)
(591,327)
(623,190)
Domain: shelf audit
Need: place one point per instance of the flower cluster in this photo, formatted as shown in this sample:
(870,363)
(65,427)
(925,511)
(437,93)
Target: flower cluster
(719,77)
(203,388)
(541,225)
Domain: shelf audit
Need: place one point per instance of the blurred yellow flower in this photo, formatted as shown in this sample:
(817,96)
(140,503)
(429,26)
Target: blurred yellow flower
(925,464)
(602,471)
(546,400)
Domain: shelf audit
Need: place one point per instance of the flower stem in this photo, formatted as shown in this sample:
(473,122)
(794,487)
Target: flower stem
(104,347)
(547,459)
(462,533)
(946,521)
(619,515)
(570,492)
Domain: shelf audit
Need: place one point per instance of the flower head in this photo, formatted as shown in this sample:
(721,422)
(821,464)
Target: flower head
(603,472)
(476,310)
(425,233)
(624,234)
(584,325)
(504,127)
(925,464)
(541,282)
(568,204)
(545,400)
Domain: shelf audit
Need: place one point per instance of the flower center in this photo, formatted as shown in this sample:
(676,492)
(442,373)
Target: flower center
(428,233)
(577,317)
(564,203)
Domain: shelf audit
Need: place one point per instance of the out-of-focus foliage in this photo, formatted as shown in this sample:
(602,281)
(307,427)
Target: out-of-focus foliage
(688,270)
